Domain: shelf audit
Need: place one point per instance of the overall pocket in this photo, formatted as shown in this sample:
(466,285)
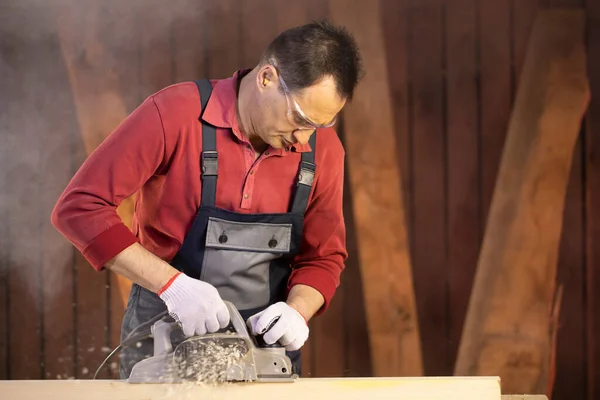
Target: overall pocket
(237,259)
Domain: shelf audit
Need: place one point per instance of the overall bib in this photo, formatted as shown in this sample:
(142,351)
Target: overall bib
(246,257)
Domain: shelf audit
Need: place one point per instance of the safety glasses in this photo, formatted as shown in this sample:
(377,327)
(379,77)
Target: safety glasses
(295,115)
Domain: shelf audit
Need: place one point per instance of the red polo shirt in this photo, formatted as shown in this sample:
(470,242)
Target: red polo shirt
(155,152)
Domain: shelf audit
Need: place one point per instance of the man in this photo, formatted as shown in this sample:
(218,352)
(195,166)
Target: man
(239,195)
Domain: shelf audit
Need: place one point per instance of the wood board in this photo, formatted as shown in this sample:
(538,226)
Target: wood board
(405,388)
(511,319)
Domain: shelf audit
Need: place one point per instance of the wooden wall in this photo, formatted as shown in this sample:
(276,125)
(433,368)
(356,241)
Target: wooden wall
(70,72)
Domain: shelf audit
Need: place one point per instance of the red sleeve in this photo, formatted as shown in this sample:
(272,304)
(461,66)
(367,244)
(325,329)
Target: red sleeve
(323,251)
(86,211)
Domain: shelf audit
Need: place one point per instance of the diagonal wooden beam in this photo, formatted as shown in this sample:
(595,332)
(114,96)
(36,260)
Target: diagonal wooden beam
(509,326)
(375,181)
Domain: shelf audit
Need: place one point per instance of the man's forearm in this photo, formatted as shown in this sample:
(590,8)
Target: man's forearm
(305,299)
(142,267)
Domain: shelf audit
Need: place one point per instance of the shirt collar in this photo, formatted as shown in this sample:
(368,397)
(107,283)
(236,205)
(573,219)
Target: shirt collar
(220,109)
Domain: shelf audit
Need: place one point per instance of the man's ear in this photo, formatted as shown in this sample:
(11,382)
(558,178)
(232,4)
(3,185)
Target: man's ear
(265,77)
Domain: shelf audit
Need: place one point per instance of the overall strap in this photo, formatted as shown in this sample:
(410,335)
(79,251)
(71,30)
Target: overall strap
(306,175)
(209,162)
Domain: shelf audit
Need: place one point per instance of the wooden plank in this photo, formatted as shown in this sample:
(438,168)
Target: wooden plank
(464,225)
(429,182)
(592,205)
(425,388)
(495,91)
(509,317)
(378,208)
(570,356)
(570,352)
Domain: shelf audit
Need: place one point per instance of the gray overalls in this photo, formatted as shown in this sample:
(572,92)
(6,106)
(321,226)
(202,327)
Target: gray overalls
(246,257)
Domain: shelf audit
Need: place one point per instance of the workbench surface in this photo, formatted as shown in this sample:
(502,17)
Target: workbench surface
(405,388)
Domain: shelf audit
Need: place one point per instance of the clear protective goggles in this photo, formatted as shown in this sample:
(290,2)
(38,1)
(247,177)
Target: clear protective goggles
(295,115)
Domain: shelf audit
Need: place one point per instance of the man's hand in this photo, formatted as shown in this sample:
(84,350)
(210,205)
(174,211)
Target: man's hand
(291,330)
(195,304)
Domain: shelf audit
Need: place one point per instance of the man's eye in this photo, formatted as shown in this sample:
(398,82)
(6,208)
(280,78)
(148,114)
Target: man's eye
(299,120)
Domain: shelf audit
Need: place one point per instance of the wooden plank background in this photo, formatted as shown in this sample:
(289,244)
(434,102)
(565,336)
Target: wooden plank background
(453,67)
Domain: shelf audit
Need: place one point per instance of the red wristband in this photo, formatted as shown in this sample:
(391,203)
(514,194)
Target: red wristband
(169,282)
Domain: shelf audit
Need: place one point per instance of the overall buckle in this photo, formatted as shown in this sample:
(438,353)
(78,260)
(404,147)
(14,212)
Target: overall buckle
(306,175)
(210,163)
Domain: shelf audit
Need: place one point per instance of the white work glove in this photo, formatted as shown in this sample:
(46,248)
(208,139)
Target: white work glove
(290,330)
(195,305)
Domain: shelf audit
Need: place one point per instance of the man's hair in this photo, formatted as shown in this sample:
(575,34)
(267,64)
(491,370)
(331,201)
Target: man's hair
(306,54)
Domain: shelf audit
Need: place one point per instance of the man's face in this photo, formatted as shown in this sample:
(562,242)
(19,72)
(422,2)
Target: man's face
(286,119)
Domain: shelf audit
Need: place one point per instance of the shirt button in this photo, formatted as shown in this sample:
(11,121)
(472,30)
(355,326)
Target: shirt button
(251,172)
(287,149)
(246,195)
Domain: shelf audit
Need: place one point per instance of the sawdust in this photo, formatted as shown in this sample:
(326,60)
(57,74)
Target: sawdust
(208,362)
(203,363)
